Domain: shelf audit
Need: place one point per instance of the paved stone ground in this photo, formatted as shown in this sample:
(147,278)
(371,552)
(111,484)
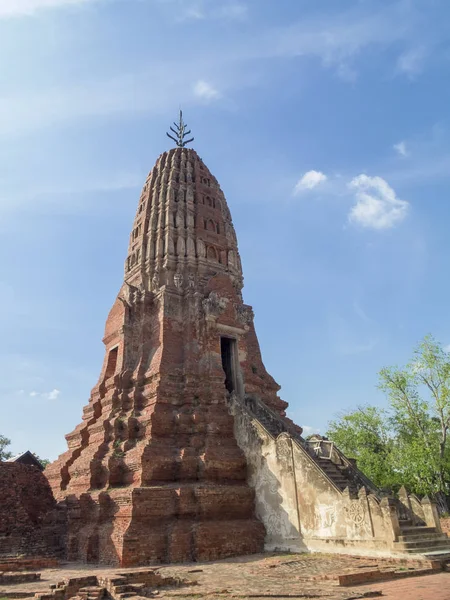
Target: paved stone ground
(430,587)
(278,576)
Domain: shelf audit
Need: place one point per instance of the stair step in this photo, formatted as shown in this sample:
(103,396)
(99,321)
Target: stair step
(429,550)
(441,554)
(419,530)
(123,588)
(419,536)
(425,542)
(424,548)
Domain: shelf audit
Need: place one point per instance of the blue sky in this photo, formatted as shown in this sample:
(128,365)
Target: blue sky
(327,125)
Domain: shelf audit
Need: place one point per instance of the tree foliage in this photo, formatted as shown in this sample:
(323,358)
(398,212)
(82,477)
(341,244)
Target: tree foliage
(4,454)
(4,443)
(44,461)
(409,442)
(364,434)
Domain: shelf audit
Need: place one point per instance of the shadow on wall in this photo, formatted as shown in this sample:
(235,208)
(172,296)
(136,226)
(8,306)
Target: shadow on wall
(30,521)
(271,475)
(90,532)
(282,526)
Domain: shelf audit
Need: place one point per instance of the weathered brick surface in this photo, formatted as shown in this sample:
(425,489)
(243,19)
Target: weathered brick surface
(30,522)
(154,473)
(14,578)
(19,563)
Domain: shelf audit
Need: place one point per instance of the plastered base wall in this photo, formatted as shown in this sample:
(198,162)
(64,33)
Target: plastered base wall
(299,506)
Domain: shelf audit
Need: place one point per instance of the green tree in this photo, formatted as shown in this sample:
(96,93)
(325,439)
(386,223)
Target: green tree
(409,443)
(419,398)
(44,461)
(4,443)
(364,434)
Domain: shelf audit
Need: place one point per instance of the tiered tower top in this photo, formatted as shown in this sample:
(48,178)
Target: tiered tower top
(183,230)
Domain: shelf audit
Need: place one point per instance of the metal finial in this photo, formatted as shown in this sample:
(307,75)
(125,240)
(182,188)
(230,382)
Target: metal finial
(180,132)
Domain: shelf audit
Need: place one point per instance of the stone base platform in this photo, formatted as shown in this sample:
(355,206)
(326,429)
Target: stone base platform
(163,524)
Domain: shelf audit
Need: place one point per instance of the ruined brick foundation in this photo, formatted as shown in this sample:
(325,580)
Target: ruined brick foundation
(30,521)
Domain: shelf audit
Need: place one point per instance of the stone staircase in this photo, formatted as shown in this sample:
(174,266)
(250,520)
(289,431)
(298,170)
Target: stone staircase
(420,539)
(139,584)
(121,591)
(338,475)
(340,470)
(416,538)
(93,592)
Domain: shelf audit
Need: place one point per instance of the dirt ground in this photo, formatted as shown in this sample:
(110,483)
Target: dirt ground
(278,576)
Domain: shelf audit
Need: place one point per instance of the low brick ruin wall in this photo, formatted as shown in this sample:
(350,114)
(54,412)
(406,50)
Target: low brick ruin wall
(445,524)
(30,522)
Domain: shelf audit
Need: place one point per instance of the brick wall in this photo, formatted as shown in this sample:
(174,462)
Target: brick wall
(30,522)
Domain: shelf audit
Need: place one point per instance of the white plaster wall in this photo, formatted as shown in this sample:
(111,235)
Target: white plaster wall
(295,500)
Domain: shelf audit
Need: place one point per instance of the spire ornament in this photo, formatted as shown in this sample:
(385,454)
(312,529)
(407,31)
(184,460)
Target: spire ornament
(180,133)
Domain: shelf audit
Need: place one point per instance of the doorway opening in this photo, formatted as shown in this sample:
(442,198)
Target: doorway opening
(227,350)
(112,363)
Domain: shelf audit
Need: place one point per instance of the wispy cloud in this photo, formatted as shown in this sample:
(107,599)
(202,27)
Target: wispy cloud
(339,39)
(309,181)
(206,91)
(150,91)
(401,149)
(187,9)
(349,336)
(411,62)
(50,197)
(308,430)
(377,205)
(233,10)
(447,348)
(360,312)
(208,9)
(20,8)
(53,395)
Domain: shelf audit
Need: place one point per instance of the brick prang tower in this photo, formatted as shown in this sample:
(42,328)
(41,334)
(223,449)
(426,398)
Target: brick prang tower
(154,472)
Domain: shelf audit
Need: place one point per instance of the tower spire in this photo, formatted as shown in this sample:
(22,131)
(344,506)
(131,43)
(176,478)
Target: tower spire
(180,133)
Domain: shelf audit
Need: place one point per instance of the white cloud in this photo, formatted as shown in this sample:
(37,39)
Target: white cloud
(188,9)
(308,430)
(18,8)
(377,205)
(207,9)
(411,63)
(53,395)
(401,149)
(206,91)
(447,348)
(148,92)
(40,199)
(340,39)
(233,10)
(310,180)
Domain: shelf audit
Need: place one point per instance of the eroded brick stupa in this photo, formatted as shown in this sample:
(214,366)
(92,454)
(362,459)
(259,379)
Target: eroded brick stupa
(154,471)
(185,452)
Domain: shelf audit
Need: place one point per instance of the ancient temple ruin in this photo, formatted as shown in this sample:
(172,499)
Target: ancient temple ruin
(184,451)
